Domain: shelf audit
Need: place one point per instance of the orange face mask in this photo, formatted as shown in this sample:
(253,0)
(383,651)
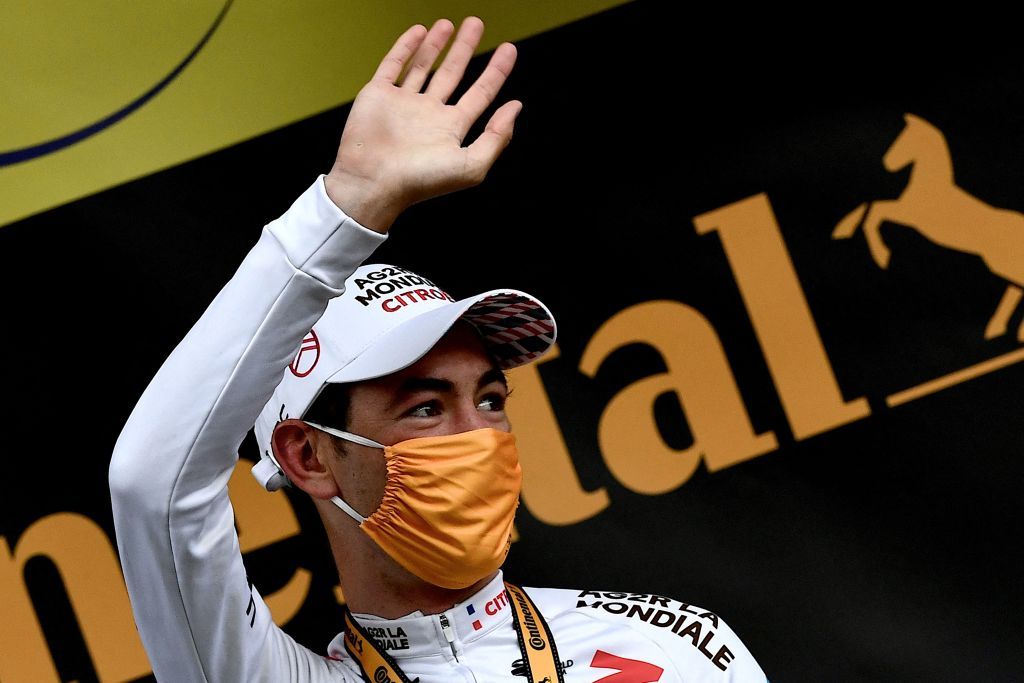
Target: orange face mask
(449,504)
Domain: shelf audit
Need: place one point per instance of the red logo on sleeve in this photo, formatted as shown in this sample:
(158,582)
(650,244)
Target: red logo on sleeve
(307,357)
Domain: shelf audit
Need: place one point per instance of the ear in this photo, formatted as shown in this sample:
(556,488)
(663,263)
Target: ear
(300,451)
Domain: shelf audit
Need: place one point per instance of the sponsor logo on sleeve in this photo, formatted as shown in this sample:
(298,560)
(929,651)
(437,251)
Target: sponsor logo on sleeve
(694,625)
(307,356)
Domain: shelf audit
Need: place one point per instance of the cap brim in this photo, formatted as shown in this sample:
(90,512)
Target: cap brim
(516,327)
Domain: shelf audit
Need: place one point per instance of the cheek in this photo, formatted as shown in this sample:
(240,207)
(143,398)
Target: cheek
(500,420)
(365,474)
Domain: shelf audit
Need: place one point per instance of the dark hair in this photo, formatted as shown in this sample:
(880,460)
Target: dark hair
(331,407)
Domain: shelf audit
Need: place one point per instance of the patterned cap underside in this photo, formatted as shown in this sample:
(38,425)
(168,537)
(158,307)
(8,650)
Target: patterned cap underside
(517,330)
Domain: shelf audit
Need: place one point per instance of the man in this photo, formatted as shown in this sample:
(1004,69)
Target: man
(387,362)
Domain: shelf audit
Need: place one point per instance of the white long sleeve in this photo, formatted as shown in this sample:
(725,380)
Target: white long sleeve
(198,616)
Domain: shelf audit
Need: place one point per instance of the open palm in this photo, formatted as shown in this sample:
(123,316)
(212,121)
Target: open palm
(403,143)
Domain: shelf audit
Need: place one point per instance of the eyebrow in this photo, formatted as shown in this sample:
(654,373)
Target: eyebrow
(412,385)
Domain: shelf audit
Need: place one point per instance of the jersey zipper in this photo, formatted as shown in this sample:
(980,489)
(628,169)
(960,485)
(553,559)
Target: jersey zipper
(449,635)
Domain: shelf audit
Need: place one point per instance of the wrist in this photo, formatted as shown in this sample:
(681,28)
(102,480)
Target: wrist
(362,200)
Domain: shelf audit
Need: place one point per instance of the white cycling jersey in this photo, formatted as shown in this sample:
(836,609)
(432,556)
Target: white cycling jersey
(199,617)
(598,635)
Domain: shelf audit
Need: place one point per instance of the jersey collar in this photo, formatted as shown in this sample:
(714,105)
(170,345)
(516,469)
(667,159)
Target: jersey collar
(417,634)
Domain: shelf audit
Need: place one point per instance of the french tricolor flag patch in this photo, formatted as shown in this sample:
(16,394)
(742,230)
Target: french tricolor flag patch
(476,622)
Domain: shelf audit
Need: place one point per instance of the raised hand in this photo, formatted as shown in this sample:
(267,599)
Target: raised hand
(402,143)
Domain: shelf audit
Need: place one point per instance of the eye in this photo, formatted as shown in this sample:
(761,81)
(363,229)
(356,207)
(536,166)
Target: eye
(492,402)
(428,409)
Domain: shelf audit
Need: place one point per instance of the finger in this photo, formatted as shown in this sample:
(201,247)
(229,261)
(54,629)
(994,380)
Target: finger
(484,151)
(426,54)
(448,75)
(480,95)
(391,66)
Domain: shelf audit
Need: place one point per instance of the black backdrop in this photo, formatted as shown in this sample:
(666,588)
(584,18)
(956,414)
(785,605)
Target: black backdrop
(879,550)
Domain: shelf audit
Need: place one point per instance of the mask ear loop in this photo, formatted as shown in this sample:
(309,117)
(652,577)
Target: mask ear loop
(348,509)
(348,436)
(354,438)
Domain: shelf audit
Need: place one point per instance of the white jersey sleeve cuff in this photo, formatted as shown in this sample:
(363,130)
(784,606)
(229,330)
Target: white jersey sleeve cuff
(320,239)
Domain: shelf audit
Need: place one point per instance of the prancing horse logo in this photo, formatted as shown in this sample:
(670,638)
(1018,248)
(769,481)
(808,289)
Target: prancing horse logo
(933,205)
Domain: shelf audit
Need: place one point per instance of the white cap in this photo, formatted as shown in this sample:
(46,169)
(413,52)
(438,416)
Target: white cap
(386,320)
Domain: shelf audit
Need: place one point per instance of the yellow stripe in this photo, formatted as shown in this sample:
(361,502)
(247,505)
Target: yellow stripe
(366,653)
(68,64)
(536,641)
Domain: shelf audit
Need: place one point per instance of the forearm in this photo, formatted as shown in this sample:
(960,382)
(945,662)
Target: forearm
(171,464)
